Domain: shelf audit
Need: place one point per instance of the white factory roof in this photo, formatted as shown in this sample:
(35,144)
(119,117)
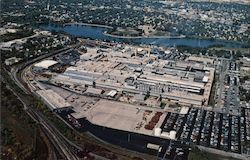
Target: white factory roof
(139,97)
(54,100)
(170,135)
(201,59)
(205,79)
(112,93)
(46,64)
(169,79)
(184,110)
(94,91)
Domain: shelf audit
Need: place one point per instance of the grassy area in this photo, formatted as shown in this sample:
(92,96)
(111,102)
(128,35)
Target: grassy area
(197,154)
(125,32)
(204,50)
(61,126)
(19,34)
(18,131)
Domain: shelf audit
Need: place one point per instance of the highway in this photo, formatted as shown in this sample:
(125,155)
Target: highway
(58,139)
(61,143)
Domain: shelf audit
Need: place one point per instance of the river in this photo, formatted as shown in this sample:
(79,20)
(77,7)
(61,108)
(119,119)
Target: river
(97,32)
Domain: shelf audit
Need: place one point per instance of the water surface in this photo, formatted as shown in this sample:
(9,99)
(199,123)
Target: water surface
(97,32)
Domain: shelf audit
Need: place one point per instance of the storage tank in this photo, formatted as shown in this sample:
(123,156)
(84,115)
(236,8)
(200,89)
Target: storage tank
(158,132)
(172,134)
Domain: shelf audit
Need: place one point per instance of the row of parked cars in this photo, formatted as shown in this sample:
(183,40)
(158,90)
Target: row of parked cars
(215,130)
(235,134)
(246,142)
(211,129)
(188,127)
(207,128)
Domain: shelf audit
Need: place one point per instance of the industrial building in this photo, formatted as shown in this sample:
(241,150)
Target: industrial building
(53,100)
(184,82)
(128,95)
(44,65)
(200,59)
(126,88)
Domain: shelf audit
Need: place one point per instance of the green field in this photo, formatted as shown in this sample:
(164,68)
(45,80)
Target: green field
(197,154)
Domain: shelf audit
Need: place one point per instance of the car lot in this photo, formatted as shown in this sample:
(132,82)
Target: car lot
(245,140)
(231,92)
(211,129)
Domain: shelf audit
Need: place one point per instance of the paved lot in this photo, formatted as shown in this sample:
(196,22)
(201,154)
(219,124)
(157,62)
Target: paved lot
(202,127)
(211,129)
(121,116)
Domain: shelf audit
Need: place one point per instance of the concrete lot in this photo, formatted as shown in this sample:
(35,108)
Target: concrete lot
(119,116)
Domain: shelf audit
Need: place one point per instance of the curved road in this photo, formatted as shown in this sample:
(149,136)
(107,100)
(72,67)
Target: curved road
(60,142)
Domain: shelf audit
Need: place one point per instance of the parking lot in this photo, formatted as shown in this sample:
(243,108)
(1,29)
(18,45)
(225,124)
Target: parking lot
(231,92)
(211,129)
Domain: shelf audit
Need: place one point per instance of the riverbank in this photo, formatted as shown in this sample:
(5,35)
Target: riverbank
(88,24)
(100,32)
(117,36)
(139,37)
(144,36)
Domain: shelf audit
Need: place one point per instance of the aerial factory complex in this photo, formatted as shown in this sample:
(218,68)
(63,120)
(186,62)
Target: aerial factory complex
(145,95)
(128,81)
(125,80)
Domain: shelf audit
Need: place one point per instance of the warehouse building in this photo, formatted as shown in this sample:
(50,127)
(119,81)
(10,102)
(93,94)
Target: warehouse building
(44,65)
(180,81)
(54,101)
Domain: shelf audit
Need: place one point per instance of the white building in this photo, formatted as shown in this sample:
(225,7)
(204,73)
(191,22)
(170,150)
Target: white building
(44,65)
